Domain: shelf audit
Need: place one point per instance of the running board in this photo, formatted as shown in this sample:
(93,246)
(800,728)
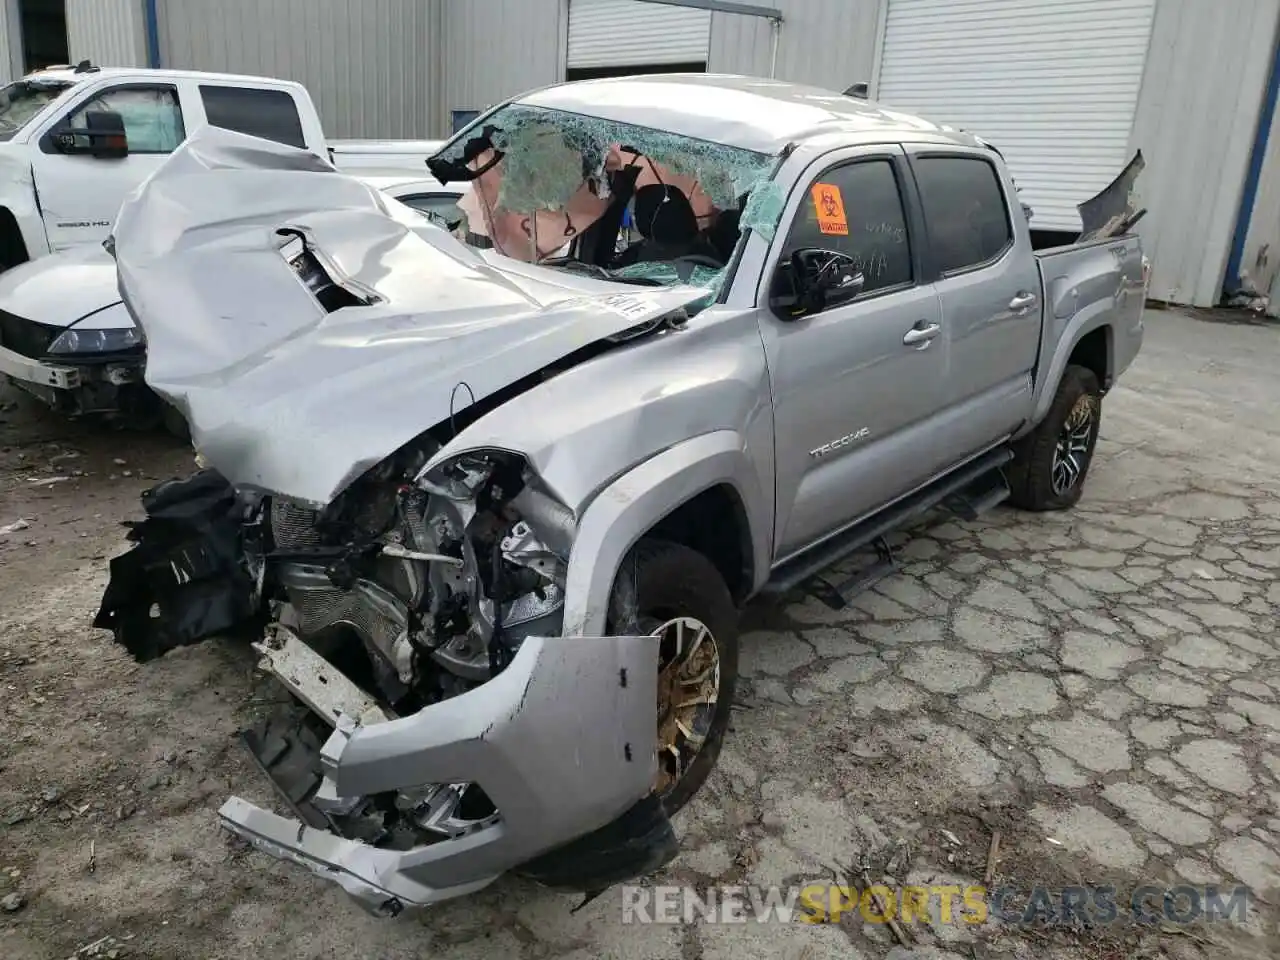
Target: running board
(971,490)
(837,595)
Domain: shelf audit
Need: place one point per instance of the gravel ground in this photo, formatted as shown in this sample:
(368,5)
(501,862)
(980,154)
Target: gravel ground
(1101,686)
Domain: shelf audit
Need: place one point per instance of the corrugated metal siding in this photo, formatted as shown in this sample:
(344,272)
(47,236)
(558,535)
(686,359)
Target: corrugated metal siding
(496,49)
(1053,83)
(826,43)
(625,33)
(111,33)
(740,45)
(1197,112)
(10,43)
(371,65)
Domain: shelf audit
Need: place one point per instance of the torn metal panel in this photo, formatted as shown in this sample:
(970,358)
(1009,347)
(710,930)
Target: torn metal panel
(315,681)
(562,741)
(1113,210)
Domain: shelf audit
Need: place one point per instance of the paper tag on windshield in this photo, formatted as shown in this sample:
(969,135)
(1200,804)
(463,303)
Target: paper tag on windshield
(828,204)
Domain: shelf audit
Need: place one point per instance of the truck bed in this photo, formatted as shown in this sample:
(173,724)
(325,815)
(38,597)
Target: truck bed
(402,154)
(1087,285)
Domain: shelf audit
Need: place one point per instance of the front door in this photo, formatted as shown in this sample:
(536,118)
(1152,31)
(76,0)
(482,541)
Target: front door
(80,194)
(854,386)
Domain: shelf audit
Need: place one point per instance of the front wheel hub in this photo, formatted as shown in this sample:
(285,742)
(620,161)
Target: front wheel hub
(688,691)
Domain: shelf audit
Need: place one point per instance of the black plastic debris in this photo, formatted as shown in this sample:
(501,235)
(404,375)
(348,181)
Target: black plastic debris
(186,578)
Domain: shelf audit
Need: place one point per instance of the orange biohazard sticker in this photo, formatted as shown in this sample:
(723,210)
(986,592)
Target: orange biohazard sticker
(829,207)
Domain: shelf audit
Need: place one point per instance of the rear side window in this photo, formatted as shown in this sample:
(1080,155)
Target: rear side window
(856,209)
(964,210)
(270,114)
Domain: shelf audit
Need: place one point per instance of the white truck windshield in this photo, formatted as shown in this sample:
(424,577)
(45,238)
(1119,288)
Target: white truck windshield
(23,99)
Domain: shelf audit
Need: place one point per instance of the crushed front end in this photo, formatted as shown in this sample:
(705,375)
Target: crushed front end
(441,730)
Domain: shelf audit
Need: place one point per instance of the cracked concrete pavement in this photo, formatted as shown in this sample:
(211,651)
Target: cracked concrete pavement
(1102,686)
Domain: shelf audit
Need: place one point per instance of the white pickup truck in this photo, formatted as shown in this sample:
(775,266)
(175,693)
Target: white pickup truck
(74,141)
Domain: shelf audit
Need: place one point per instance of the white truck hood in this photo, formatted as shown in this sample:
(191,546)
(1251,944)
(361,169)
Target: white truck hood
(77,287)
(285,397)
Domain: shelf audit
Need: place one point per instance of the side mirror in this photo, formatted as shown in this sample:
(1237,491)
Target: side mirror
(813,280)
(102,136)
(858,90)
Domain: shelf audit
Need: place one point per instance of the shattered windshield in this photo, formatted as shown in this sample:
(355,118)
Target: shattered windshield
(611,200)
(22,100)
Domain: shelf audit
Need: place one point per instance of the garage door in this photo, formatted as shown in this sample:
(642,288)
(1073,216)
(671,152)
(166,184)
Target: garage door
(625,33)
(1052,83)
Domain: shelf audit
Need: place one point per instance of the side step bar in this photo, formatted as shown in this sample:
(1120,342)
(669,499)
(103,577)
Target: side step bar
(968,492)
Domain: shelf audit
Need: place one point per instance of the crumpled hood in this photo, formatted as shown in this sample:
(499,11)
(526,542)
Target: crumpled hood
(62,289)
(287,398)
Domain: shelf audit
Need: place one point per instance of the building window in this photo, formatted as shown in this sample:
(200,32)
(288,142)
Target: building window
(460,118)
(602,73)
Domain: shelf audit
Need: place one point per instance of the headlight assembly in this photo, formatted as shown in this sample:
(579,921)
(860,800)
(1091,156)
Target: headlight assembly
(75,341)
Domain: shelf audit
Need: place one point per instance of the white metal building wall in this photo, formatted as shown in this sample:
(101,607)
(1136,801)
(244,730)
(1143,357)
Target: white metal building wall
(1052,83)
(496,49)
(371,65)
(111,33)
(10,42)
(625,33)
(826,43)
(1260,259)
(1196,117)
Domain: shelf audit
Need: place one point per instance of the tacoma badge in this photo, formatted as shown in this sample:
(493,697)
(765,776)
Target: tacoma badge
(844,441)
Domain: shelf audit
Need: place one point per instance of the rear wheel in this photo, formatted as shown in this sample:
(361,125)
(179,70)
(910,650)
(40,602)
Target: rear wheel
(676,595)
(1052,462)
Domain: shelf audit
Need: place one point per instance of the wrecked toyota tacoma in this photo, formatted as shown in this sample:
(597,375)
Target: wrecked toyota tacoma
(488,501)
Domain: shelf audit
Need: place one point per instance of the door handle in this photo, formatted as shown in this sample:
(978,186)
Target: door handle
(922,334)
(1022,301)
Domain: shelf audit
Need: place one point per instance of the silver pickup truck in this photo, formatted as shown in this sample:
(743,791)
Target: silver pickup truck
(488,502)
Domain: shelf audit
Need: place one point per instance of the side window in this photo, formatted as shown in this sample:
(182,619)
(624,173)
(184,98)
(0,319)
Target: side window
(964,210)
(270,114)
(856,209)
(152,117)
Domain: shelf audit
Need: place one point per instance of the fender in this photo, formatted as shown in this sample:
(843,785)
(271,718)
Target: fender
(1069,334)
(18,196)
(627,508)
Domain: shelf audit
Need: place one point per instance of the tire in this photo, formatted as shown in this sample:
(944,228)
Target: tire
(659,582)
(1032,479)
(174,423)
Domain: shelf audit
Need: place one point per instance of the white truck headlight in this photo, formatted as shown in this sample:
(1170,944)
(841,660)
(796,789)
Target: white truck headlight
(95,341)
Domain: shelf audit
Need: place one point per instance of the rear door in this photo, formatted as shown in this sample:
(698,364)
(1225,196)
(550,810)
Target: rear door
(854,386)
(979,254)
(79,194)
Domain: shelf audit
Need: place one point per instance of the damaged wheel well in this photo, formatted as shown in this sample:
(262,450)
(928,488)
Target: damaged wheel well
(13,250)
(1092,353)
(714,523)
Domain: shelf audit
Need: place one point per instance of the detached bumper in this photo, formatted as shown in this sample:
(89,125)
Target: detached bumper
(100,387)
(562,742)
(37,372)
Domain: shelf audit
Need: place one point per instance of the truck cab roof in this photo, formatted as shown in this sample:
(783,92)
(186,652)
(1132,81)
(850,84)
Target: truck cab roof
(81,73)
(750,113)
